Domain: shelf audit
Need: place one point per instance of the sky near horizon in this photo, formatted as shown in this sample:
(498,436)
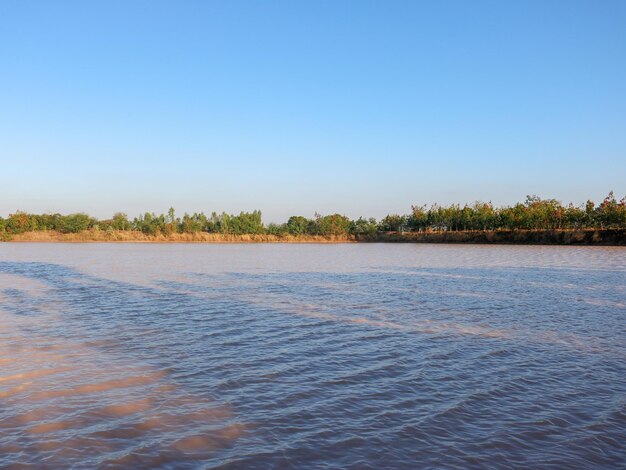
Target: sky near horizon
(357,107)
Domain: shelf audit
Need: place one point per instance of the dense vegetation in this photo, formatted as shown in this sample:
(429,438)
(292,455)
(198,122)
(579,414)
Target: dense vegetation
(534,214)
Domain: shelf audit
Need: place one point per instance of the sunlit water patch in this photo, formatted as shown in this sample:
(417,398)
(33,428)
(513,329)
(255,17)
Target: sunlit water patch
(346,356)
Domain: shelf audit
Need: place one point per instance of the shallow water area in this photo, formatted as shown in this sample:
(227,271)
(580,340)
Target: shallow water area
(312,356)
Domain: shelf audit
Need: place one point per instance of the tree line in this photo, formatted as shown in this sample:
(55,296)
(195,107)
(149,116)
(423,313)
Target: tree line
(533,214)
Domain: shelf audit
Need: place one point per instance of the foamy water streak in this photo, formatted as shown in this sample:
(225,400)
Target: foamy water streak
(350,356)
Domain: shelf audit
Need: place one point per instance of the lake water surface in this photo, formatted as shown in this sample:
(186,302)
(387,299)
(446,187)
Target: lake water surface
(312,356)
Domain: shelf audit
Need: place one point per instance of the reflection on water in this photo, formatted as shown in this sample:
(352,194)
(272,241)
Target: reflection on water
(66,400)
(362,356)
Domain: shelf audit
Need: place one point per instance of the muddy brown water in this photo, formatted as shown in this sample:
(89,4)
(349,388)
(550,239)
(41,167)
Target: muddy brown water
(312,356)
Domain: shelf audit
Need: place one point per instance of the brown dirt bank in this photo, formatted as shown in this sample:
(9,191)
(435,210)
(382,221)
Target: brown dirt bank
(199,237)
(534,237)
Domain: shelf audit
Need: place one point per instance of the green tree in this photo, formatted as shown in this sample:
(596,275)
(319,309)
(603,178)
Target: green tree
(120,222)
(297,225)
(334,224)
(363,226)
(418,220)
(20,222)
(75,223)
(392,223)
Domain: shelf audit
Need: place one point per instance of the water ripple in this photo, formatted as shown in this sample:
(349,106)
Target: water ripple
(328,357)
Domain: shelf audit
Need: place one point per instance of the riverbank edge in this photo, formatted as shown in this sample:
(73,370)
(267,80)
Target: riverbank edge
(127,236)
(600,237)
(604,237)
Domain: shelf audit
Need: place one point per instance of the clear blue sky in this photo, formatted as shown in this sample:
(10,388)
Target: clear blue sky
(293,107)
